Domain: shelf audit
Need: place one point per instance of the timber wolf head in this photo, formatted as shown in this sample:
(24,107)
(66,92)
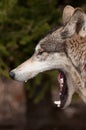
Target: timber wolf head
(63,49)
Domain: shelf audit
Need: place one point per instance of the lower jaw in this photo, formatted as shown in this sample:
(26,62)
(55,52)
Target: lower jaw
(63,102)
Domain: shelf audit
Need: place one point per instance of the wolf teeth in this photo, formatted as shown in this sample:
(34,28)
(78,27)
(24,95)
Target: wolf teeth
(62,80)
(58,103)
(60,93)
(25,81)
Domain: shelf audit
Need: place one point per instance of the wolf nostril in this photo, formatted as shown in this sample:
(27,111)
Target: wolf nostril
(12,74)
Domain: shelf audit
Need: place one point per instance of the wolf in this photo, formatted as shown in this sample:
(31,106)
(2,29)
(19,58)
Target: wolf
(63,49)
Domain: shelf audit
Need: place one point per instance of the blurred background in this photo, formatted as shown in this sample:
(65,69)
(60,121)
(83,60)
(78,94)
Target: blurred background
(29,106)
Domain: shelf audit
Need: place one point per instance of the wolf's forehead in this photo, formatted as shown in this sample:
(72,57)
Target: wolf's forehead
(53,34)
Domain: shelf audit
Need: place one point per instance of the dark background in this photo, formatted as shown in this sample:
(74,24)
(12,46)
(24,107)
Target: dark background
(30,106)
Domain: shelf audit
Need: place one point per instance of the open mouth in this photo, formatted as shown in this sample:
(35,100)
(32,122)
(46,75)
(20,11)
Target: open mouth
(63,94)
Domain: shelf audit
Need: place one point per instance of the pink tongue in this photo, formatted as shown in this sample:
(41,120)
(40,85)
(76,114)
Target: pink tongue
(60,80)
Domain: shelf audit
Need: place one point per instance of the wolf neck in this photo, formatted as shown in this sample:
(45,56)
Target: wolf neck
(76,49)
(78,83)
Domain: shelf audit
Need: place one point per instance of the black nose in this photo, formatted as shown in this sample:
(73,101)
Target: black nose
(12,74)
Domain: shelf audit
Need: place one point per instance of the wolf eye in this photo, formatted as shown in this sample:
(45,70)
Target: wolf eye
(40,52)
(84,28)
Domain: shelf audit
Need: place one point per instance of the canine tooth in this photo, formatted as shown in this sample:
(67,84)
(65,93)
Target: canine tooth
(57,102)
(62,81)
(58,105)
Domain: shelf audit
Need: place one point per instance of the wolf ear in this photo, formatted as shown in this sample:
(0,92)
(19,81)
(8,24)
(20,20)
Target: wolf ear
(67,13)
(76,24)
